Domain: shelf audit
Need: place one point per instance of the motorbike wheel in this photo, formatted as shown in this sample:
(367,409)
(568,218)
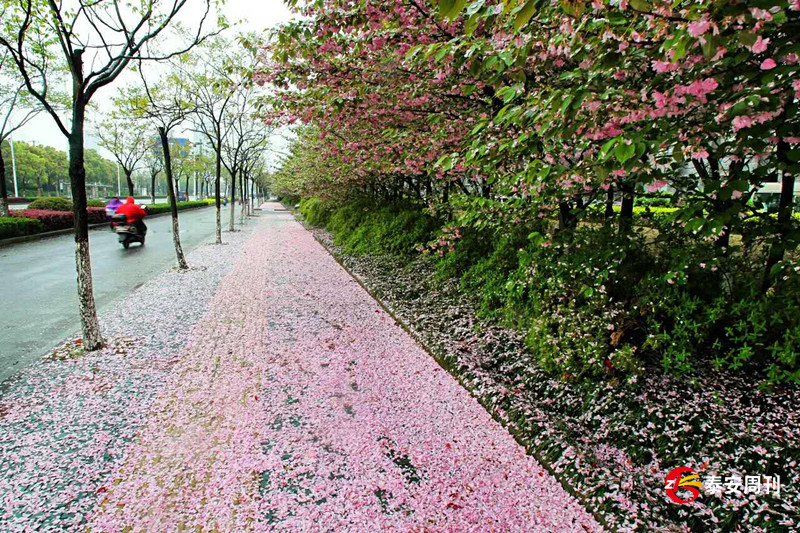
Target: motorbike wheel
(126,244)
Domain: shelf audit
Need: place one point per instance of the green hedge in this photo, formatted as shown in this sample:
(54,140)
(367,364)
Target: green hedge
(595,303)
(19,227)
(155,209)
(396,228)
(53,204)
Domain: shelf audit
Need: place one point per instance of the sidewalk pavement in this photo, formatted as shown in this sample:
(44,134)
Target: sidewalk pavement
(297,404)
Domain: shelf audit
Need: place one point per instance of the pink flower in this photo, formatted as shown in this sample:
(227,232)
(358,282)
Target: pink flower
(656,186)
(736,195)
(761,14)
(768,64)
(664,66)
(698,28)
(760,45)
(701,154)
(742,122)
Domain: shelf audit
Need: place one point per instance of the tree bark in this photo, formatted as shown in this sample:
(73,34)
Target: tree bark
(129,179)
(90,326)
(3,188)
(609,214)
(173,205)
(724,239)
(153,176)
(243,196)
(217,179)
(231,228)
(566,219)
(785,209)
(626,211)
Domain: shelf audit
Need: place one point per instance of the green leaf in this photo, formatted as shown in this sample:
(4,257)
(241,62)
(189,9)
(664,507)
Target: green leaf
(471,25)
(624,151)
(445,6)
(525,14)
(641,5)
(695,224)
(747,38)
(456,6)
(709,47)
(793,155)
(475,6)
(605,151)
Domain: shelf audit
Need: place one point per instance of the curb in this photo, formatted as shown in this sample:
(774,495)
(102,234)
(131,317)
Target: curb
(67,231)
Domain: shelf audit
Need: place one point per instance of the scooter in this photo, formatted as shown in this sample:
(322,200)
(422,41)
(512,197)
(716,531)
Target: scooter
(127,233)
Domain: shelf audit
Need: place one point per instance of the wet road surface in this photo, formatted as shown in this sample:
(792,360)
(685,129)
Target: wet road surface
(39,296)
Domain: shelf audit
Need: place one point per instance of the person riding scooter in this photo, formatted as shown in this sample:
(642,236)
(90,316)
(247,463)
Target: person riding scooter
(135,215)
(112,206)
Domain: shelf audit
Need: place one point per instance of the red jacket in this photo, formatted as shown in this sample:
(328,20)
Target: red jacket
(133,212)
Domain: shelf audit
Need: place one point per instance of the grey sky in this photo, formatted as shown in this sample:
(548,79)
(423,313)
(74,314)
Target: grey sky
(253,15)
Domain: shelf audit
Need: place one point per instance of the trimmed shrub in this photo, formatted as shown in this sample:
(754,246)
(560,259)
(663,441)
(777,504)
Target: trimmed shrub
(19,227)
(155,209)
(58,220)
(394,229)
(96,203)
(51,204)
(50,220)
(315,211)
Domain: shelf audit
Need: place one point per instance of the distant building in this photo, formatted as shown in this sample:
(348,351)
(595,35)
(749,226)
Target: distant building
(180,141)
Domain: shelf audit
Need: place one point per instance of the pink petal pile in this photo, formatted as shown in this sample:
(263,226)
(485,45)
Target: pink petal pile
(299,405)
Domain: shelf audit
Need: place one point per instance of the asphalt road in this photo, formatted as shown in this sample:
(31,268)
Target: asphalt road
(39,294)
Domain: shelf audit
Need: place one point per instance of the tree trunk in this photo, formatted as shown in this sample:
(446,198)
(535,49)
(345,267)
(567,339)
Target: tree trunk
(784,224)
(247,195)
(173,205)
(566,219)
(233,202)
(243,196)
(153,176)
(3,189)
(217,179)
(626,211)
(610,204)
(92,337)
(129,179)
(724,239)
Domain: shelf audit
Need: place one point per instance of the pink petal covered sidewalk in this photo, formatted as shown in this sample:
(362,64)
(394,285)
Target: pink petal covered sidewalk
(299,405)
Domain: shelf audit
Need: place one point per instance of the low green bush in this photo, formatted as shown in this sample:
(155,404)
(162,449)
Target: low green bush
(52,204)
(362,228)
(155,209)
(96,203)
(395,229)
(19,227)
(315,211)
(594,302)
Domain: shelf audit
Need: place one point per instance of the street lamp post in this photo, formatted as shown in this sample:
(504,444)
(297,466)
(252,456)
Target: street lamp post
(13,165)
